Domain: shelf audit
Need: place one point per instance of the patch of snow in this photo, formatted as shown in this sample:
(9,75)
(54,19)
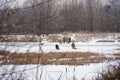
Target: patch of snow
(23,47)
(54,72)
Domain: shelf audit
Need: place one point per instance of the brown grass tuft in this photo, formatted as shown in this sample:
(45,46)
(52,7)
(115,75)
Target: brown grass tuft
(105,41)
(118,49)
(60,58)
(65,33)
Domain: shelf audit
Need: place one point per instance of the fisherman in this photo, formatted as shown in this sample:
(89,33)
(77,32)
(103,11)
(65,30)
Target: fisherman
(69,40)
(73,45)
(64,39)
(57,47)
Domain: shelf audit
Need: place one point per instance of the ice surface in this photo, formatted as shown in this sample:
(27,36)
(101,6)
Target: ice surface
(23,47)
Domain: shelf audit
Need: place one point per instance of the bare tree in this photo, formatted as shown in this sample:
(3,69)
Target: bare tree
(89,4)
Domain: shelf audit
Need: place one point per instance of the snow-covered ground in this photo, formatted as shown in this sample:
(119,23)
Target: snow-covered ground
(54,72)
(84,43)
(60,72)
(23,47)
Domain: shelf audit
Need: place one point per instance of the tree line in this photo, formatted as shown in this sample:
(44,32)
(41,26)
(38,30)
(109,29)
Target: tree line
(53,16)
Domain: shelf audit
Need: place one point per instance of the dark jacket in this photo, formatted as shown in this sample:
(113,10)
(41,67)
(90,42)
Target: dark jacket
(73,45)
(57,47)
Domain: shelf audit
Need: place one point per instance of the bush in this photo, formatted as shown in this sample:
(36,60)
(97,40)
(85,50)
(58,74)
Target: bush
(112,74)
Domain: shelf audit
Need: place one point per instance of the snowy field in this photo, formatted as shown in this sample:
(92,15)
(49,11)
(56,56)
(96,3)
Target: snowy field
(91,46)
(23,47)
(60,72)
(54,72)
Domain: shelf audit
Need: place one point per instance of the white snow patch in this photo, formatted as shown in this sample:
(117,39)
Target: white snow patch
(23,47)
(54,72)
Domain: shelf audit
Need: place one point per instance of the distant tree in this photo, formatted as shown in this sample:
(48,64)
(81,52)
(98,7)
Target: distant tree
(73,16)
(115,12)
(90,13)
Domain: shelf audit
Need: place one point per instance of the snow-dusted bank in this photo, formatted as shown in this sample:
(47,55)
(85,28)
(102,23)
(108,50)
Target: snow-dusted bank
(54,72)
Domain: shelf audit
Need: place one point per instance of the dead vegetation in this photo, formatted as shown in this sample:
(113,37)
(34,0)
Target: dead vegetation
(118,49)
(81,36)
(18,40)
(65,33)
(112,73)
(72,58)
(105,41)
(54,38)
(117,54)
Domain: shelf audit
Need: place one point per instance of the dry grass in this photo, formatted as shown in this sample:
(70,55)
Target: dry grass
(117,54)
(112,73)
(105,41)
(65,33)
(72,58)
(79,36)
(118,49)
(54,38)
(19,40)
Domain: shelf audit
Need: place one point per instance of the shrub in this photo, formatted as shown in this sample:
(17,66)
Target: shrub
(112,74)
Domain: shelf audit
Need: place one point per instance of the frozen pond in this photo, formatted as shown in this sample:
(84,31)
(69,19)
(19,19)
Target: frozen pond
(97,47)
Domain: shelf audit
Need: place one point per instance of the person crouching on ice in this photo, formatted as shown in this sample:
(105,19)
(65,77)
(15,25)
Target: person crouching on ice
(57,47)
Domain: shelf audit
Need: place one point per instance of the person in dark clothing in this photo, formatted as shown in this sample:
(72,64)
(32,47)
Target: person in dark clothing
(64,39)
(69,40)
(57,47)
(73,45)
